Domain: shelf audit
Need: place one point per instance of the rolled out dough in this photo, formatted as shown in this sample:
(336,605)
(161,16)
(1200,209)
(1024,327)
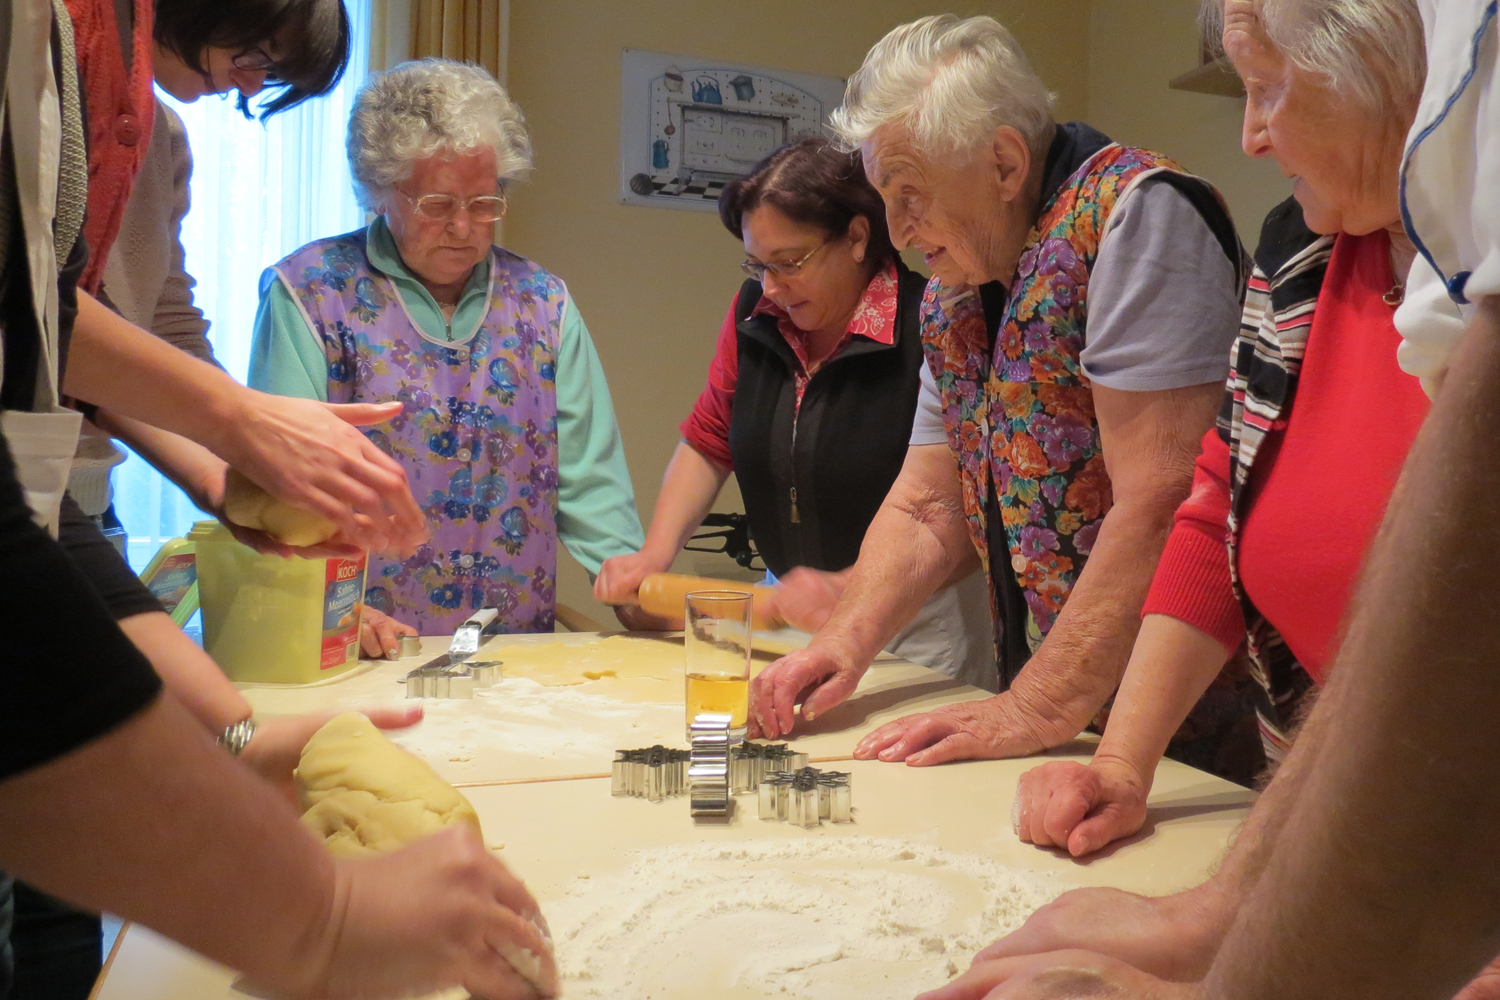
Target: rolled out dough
(620,657)
(365,796)
(557,664)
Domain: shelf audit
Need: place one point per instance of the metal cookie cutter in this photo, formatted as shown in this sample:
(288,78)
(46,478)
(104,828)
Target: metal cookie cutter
(439,682)
(654,773)
(408,645)
(807,797)
(453,675)
(486,672)
(708,765)
(749,763)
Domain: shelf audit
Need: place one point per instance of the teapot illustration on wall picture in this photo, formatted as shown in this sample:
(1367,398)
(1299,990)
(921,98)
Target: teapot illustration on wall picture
(706,91)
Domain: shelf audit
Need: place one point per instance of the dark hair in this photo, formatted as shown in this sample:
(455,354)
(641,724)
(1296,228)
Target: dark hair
(314,35)
(811,182)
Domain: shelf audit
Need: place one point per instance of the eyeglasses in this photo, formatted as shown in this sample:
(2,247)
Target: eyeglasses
(780,268)
(484,210)
(253,60)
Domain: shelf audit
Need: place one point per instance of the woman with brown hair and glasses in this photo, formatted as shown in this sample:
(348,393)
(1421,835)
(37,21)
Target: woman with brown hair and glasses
(810,402)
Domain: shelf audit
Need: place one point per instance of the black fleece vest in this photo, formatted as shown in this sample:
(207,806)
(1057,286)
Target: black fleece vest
(812,481)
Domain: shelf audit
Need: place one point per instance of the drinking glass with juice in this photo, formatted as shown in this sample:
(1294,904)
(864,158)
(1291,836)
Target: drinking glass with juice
(718,642)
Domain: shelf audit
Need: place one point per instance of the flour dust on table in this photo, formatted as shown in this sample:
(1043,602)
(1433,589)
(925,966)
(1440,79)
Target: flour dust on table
(525,717)
(820,918)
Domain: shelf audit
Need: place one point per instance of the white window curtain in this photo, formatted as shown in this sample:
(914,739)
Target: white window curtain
(258,193)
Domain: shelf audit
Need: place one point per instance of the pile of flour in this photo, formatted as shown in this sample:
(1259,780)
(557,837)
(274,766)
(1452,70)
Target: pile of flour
(820,918)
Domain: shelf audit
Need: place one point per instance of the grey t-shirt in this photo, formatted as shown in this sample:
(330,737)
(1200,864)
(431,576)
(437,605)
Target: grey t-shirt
(1163,304)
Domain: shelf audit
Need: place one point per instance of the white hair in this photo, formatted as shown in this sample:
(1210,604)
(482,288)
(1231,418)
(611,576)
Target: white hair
(431,107)
(1372,51)
(951,82)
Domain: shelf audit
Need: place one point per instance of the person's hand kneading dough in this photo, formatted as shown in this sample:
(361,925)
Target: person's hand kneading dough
(366,797)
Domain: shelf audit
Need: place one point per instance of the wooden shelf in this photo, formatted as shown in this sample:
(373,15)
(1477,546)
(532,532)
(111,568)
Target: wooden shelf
(1217,77)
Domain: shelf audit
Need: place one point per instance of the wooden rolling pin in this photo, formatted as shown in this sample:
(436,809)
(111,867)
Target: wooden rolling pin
(663,594)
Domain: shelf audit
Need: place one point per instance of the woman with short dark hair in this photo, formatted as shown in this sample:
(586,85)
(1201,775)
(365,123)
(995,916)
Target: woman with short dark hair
(298,48)
(810,400)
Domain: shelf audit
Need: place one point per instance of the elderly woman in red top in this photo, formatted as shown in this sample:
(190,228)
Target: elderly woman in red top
(1290,487)
(810,401)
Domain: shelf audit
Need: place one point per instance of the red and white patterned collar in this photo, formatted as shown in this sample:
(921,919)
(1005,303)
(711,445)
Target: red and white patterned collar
(874,318)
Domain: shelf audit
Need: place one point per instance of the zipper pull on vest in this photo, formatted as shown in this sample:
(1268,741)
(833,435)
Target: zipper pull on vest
(796,518)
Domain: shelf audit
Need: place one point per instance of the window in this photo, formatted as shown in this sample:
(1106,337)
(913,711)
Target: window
(258,193)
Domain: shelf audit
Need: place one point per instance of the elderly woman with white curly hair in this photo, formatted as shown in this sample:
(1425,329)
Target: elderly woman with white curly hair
(1077,337)
(1318,420)
(508,434)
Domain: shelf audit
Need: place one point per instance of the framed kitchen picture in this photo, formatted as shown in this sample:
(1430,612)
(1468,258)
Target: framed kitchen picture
(689,126)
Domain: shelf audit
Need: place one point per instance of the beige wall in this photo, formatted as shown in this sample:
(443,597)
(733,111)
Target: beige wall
(653,284)
(1135,47)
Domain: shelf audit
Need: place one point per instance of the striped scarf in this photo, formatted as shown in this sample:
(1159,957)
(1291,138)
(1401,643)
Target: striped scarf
(1265,362)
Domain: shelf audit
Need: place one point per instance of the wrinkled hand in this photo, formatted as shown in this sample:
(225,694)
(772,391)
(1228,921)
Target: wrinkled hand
(1485,986)
(813,677)
(276,747)
(311,455)
(379,632)
(438,914)
(805,598)
(991,729)
(1170,937)
(1060,975)
(1079,807)
(620,577)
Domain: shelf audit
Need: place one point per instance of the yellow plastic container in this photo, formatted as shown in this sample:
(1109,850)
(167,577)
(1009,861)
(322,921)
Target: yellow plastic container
(270,619)
(172,575)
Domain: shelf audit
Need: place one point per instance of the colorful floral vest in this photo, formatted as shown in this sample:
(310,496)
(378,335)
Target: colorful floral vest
(478,437)
(1022,420)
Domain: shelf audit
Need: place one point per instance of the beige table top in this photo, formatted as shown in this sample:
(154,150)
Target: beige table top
(550,830)
(519,729)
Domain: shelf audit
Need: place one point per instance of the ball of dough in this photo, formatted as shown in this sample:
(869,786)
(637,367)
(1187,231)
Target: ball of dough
(248,505)
(365,796)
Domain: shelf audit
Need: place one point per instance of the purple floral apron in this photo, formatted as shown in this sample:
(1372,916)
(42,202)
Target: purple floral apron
(477,438)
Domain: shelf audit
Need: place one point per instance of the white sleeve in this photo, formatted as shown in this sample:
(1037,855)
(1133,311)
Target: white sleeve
(1429,324)
(927,425)
(1484,211)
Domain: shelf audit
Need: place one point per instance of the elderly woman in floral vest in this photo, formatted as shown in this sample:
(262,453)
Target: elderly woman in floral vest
(509,436)
(1077,332)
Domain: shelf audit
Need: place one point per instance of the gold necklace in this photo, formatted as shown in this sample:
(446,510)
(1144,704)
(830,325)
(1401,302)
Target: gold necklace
(1396,295)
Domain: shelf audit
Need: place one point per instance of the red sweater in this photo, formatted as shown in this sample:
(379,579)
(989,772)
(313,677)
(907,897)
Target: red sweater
(1320,483)
(121,109)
